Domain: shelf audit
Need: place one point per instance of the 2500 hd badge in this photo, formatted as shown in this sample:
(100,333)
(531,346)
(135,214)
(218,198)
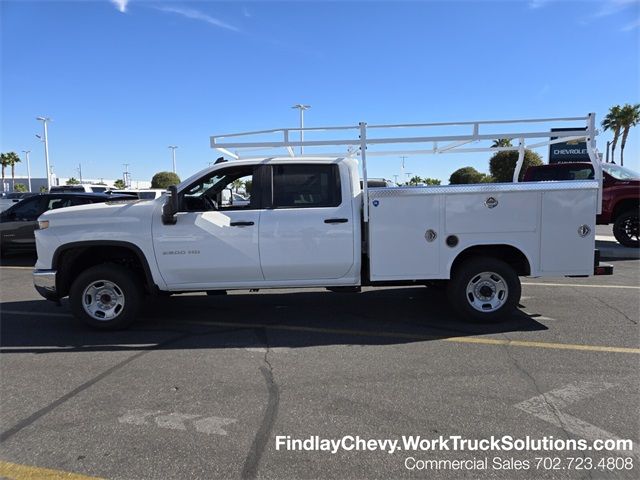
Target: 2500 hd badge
(181,252)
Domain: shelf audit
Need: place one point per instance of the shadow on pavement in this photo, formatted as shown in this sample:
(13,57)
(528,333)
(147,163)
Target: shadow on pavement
(294,320)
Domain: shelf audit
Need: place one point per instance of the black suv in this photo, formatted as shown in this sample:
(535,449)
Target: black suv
(18,222)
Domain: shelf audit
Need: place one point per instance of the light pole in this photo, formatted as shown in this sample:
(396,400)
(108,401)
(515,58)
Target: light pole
(302,108)
(45,121)
(173,152)
(408,177)
(26,154)
(125,175)
(402,159)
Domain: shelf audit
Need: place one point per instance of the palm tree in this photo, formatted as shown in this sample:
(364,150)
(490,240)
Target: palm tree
(12,159)
(237,184)
(502,142)
(4,161)
(629,117)
(612,122)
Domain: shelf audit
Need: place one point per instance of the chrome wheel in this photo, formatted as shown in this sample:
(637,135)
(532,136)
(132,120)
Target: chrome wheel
(487,292)
(103,300)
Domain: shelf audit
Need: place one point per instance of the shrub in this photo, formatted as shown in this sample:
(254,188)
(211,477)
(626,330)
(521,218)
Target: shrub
(466,175)
(503,164)
(164,180)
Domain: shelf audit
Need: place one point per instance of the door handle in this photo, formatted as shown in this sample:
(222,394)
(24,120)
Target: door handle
(336,220)
(241,224)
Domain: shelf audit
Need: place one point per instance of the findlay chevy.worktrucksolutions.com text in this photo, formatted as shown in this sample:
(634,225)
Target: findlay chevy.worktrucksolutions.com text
(505,443)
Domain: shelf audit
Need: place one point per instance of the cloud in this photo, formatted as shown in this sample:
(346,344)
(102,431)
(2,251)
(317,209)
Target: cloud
(245,12)
(611,7)
(198,15)
(631,26)
(544,90)
(534,4)
(121,5)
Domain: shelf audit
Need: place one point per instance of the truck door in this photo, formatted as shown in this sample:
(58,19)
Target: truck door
(214,242)
(307,229)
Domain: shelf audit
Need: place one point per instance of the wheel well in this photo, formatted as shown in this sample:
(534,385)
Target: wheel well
(506,253)
(624,205)
(72,261)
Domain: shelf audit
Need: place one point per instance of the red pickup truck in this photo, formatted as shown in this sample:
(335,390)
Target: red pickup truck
(620,194)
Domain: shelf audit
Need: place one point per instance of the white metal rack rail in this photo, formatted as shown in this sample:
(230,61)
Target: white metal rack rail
(366,137)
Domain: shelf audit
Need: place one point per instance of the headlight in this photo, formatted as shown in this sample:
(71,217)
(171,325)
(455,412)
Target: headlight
(42,224)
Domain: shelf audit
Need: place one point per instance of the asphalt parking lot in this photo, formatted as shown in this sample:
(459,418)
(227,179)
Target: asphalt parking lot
(201,386)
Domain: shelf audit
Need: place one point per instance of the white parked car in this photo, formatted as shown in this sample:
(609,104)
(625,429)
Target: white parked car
(82,188)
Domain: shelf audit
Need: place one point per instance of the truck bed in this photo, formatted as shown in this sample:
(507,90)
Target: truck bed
(417,232)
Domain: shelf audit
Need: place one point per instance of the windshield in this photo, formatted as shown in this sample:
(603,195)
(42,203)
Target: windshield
(620,173)
(205,185)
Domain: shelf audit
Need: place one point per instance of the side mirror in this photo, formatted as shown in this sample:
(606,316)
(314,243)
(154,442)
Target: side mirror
(227,197)
(170,207)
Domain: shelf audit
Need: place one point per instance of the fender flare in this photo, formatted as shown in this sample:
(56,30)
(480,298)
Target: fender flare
(153,287)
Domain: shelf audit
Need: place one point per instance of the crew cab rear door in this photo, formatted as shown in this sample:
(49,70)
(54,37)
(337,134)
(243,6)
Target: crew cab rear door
(307,229)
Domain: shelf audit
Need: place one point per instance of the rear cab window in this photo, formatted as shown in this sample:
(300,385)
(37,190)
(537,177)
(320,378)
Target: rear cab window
(306,186)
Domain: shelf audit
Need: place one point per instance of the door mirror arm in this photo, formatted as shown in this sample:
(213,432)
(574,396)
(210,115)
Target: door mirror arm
(171,206)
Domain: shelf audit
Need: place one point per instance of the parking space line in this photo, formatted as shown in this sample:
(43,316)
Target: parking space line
(15,471)
(549,405)
(416,336)
(542,284)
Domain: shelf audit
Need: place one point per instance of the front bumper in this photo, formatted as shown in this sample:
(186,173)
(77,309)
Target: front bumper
(45,283)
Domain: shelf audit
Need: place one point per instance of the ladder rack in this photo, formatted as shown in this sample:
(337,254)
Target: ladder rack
(360,140)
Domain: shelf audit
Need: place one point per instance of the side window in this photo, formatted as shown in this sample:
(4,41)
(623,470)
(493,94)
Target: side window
(226,189)
(62,202)
(581,174)
(78,201)
(29,209)
(299,186)
(55,203)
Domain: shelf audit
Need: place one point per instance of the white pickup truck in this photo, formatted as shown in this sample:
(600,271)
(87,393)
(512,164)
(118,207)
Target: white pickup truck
(309,224)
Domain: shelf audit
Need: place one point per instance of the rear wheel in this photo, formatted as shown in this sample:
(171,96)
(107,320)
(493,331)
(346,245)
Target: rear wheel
(106,297)
(484,290)
(625,229)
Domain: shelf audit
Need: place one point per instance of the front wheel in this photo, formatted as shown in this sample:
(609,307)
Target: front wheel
(625,229)
(105,297)
(484,290)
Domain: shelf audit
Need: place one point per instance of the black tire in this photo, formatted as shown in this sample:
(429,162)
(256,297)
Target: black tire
(625,229)
(119,288)
(487,278)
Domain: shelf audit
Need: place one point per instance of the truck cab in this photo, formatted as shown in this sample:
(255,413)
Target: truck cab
(300,225)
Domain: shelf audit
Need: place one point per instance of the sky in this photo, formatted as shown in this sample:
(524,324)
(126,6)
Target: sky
(123,79)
